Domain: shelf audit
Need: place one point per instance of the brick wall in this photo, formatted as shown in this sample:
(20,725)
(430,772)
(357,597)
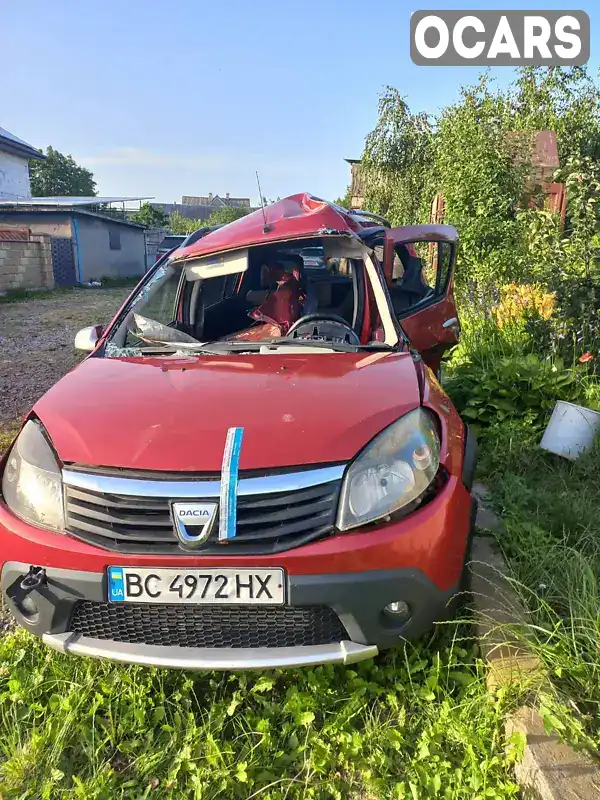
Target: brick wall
(26,264)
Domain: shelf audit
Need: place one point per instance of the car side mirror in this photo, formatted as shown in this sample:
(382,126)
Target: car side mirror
(87,338)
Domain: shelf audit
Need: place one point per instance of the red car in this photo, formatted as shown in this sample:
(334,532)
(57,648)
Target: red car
(255,466)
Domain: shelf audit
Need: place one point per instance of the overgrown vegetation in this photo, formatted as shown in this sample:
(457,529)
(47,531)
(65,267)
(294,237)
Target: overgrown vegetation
(476,153)
(551,538)
(415,723)
(528,291)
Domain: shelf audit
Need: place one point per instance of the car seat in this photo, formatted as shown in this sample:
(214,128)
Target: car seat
(411,288)
(276,314)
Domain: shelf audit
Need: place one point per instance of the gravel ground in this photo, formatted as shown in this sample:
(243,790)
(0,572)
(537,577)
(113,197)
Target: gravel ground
(36,349)
(36,342)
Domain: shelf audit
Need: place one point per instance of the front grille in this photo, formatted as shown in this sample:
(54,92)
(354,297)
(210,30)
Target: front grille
(208,626)
(266,523)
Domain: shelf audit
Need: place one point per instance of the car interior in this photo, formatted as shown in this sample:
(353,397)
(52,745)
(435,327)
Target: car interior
(275,292)
(409,286)
(269,299)
(281,293)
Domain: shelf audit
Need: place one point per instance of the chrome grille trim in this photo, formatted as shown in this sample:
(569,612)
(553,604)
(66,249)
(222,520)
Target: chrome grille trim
(268,484)
(201,658)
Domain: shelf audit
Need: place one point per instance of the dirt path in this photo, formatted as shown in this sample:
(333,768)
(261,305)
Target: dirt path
(36,342)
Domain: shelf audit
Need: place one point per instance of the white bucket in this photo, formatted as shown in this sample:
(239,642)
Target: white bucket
(571,430)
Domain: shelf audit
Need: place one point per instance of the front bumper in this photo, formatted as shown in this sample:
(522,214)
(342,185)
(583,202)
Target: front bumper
(352,576)
(356,599)
(205,658)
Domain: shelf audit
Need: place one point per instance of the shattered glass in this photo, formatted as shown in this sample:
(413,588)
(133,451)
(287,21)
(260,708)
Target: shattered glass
(112,351)
(151,331)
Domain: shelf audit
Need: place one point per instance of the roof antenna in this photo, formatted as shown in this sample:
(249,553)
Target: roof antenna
(266,226)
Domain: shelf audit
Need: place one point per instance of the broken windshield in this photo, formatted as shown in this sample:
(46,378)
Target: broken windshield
(261,294)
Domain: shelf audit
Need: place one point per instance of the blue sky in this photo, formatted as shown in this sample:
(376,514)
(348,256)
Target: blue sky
(165,99)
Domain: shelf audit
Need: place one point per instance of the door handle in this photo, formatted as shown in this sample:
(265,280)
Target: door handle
(452,323)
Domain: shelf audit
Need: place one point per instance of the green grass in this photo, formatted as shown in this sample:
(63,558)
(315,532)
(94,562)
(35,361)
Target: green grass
(20,295)
(415,723)
(549,507)
(8,431)
(551,539)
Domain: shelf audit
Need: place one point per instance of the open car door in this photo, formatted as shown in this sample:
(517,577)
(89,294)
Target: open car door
(419,265)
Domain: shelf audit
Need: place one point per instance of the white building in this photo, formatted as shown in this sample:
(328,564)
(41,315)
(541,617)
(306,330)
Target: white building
(14,166)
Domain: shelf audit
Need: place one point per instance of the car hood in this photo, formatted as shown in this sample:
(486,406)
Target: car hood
(174,413)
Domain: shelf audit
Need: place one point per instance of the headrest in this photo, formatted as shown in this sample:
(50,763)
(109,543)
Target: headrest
(283,306)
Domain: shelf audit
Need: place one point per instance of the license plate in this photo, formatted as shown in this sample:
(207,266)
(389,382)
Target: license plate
(199,586)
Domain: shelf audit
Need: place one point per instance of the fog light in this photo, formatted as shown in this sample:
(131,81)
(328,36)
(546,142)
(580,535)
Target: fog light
(398,610)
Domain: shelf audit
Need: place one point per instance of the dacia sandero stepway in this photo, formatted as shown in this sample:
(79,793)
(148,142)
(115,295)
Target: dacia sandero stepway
(255,466)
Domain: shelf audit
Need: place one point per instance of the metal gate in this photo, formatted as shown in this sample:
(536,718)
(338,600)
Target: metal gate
(63,261)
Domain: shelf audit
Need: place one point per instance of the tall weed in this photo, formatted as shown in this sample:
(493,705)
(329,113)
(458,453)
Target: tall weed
(551,539)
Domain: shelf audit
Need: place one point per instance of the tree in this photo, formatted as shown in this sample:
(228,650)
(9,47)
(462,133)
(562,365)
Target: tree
(222,216)
(59,175)
(565,100)
(150,216)
(398,160)
(345,200)
(181,226)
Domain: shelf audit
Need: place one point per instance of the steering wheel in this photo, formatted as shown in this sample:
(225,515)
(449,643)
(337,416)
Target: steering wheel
(332,328)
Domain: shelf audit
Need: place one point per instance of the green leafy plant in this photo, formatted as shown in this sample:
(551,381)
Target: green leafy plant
(551,540)
(521,386)
(414,723)
(477,154)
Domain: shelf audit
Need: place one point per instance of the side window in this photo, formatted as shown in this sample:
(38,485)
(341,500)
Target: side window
(421,273)
(231,282)
(422,266)
(435,263)
(212,290)
(444,262)
(397,269)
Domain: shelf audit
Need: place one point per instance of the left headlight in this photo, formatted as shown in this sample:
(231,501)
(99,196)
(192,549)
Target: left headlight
(32,484)
(392,471)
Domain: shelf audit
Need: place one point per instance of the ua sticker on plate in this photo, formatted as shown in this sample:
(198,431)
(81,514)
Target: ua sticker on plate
(116,585)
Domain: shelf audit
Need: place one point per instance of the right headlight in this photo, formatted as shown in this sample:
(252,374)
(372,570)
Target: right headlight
(32,483)
(392,471)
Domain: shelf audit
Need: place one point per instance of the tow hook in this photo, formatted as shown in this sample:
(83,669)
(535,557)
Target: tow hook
(35,578)
(18,593)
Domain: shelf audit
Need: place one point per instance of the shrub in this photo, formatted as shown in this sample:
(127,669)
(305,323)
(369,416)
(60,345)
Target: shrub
(522,301)
(518,386)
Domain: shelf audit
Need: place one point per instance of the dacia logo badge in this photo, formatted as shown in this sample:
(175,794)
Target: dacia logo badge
(193,522)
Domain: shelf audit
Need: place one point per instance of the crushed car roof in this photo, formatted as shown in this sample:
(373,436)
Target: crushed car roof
(296,217)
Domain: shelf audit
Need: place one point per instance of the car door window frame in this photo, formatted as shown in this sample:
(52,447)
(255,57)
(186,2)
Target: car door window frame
(438,292)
